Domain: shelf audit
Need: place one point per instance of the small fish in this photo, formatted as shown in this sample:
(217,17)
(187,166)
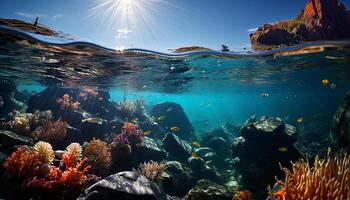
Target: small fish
(138,145)
(147,132)
(175,129)
(93,120)
(325,82)
(283,149)
(333,86)
(169,109)
(161,118)
(100,99)
(264,94)
(194,155)
(196,144)
(300,120)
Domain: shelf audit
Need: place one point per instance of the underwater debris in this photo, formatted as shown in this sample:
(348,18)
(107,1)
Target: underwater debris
(66,102)
(23,163)
(325,179)
(44,149)
(51,132)
(152,170)
(130,134)
(99,156)
(243,195)
(75,150)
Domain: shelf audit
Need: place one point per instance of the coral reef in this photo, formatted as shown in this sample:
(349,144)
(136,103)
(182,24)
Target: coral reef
(66,102)
(153,170)
(98,156)
(45,151)
(21,123)
(23,163)
(243,195)
(52,131)
(75,150)
(88,92)
(326,179)
(130,134)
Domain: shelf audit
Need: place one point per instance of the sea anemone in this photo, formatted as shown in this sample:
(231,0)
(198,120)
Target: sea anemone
(75,150)
(99,156)
(45,151)
(130,134)
(22,163)
(152,170)
(243,195)
(51,132)
(326,179)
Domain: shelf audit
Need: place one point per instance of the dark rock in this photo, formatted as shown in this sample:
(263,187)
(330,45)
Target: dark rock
(126,185)
(340,131)
(178,179)
(174,117)
(9,139)
(73,135)
(149,150)
(176,147)
(264,143)
(7,101)
(210,191)
(220,146)
(196,164)
(3,158)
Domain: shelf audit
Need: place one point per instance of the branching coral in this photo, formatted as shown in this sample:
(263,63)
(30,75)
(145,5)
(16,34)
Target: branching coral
(326,179)
(243,195)
(130,134)
(99,156)
(66,102)
(51,132)
(45,151)
(23,163)
(152,170)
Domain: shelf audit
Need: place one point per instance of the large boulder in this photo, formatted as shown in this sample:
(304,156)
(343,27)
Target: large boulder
(172,115)
(263,144)
(9,140)
(148,150)
(340,131)
(177,148)
(128,185)
(210,191)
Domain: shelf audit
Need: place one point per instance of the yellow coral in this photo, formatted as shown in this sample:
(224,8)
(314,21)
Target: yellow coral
(21,124)
(75,150)
(45,151)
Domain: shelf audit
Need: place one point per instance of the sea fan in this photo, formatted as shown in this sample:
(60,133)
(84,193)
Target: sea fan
(51,132)
(326,179)
(130,134)
(152,170)
(99,156)
(23,163)
(45,151)
(75,150)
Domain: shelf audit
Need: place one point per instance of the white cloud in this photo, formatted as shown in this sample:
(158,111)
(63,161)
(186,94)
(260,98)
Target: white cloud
(58,16)
(253,29)
(30,15)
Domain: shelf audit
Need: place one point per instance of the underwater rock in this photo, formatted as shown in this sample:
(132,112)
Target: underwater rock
(340,131)
(196,164)
(178,179)
(9,140)
(220,146)
(128,185)
(3,158)
(210,191)
(73,135)
(176,147)
(264,143)
(169,115)
(201,151)
(8,102)
(149,150)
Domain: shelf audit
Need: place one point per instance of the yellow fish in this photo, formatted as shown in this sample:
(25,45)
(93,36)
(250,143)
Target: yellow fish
(175,129)
(196,144)
(169,109)
(283,149)
(138,145)
(147,132)
(194,155)
(300,120)
(264,94)
(325,82)
(161,118)
(333,86)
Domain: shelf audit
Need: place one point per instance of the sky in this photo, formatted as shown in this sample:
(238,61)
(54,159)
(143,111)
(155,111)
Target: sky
(157,25)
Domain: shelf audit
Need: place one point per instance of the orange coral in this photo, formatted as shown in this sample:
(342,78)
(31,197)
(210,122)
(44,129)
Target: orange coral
(68,159)
(66,102)
(75,176)
(243,195)
(88,91)
(99,155)
(51,132)
(23,163)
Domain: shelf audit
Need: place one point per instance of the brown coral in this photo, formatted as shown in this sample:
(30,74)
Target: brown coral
(99,156)
(326,179)
(45,151)
(23,163)
(153,170)
(51,132)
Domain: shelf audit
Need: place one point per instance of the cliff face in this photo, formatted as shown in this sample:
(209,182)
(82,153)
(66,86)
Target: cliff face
(320,20)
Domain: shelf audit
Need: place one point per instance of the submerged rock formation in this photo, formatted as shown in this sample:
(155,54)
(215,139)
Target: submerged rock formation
(320,20)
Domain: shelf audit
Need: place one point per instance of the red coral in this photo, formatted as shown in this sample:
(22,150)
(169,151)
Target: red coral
(23,163)
(131,134)
(243,195)
(75,176)
(68,160)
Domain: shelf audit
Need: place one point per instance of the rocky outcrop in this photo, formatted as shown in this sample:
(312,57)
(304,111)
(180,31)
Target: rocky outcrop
(340,132)
(320,20)
(177,148)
